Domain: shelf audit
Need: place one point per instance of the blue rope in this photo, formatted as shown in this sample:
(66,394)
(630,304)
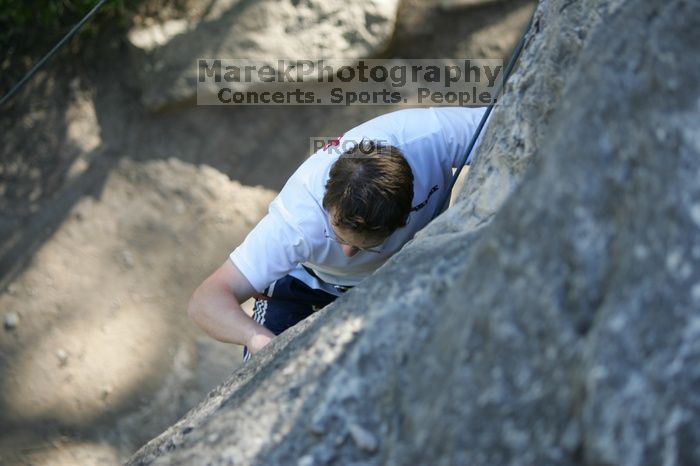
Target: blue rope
(51,53)
(472,143)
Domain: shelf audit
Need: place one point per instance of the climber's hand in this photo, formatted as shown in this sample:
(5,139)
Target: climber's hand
(259,339)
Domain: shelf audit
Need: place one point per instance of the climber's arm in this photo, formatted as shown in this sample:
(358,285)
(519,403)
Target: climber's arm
(215,308)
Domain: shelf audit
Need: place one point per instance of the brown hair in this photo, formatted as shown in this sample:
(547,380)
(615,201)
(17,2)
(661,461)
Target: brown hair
(370,189)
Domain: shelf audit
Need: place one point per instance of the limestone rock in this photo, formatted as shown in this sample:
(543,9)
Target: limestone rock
(550,317)
(266,29)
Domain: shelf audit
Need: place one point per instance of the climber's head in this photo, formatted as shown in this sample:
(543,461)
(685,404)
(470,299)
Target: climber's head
(368,196)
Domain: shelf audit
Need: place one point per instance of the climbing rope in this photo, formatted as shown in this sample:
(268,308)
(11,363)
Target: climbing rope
(482,123)
(51,53)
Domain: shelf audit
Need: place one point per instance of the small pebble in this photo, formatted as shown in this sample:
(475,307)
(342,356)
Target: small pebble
(62,357)
(363,438)
(127,258)
(11,321)
(180,207)
(213,438)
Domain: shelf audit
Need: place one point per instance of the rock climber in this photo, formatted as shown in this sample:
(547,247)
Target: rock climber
(348,208)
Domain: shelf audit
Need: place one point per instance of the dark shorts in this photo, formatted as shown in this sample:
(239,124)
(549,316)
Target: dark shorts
(289,301)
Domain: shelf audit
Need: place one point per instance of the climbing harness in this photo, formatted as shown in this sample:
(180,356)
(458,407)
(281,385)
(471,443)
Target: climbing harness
(463,160)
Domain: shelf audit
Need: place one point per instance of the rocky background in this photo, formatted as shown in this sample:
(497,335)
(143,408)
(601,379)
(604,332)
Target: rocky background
(118,196)
(552,316)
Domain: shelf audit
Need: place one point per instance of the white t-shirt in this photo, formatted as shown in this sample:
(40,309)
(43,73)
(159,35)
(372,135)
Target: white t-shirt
(295,231)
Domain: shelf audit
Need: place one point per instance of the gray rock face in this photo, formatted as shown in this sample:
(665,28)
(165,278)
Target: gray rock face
(266,29)
(551,317)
